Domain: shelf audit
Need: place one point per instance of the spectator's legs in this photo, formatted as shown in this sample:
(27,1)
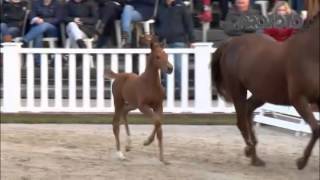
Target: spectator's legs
(14,31)
(3,31)
(11,32)
(177,66)
(37,31)
(109,13)
(75,34)
(129,15)
(298,5)
(224,8)
(36,34)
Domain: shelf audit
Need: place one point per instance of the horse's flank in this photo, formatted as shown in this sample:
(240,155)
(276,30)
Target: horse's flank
(284,73)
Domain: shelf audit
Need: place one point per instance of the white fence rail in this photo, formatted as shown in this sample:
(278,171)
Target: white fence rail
(86,96)
(67,83)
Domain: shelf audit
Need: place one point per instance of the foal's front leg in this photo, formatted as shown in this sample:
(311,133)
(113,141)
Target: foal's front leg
(156,117)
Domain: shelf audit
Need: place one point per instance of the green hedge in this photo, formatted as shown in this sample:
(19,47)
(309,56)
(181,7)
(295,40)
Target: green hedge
(190,119)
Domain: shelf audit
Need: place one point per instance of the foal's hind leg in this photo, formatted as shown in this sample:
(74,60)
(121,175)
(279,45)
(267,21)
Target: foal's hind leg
(116,124)
(303,108)
(250,151)
(125,115)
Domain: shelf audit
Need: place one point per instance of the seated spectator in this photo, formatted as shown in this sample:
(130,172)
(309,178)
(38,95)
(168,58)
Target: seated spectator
(282,29)
(109,12)
(46,16)
(174,25)
(12,19)
(81,18)
(135,10)
(236,17)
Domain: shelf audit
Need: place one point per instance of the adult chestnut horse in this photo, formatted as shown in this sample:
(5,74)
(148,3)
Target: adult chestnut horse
(284,73)
(143,92)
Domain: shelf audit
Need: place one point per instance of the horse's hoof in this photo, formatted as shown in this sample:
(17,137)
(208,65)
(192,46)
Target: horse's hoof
(147,142)
(121,156)
(301,163)
(258,162)
(128,148)
(165,162)
(247,151)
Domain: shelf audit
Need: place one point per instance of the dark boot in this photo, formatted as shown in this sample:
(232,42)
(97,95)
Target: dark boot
(100,28)
(25,44)
(81,43)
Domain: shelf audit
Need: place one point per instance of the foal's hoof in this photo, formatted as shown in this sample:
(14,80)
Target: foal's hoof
(121,156)
(301,163)
(147,142)
(128,148)
(248,151)
(258,162)
(165,162)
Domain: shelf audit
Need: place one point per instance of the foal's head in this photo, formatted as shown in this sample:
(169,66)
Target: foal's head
(158,58)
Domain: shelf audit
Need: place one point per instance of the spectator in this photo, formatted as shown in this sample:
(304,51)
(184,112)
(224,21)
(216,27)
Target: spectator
(81,16)
(298,5)
(224,6)
(109,12)
(282,29)
(12,19)
(174,25)
(234,21)
(135,10)
(46,16)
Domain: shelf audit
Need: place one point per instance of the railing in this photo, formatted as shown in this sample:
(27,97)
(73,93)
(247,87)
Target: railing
(72,80)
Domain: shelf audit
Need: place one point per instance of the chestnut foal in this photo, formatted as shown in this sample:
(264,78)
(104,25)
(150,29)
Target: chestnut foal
(143,92)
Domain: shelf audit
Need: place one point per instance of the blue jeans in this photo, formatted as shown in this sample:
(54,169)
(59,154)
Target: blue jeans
(37,32)
(177,63)
(297,5)
(128,16)
(6,30)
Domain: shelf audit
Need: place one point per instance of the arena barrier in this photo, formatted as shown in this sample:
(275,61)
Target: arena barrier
(72,80)
(67,84)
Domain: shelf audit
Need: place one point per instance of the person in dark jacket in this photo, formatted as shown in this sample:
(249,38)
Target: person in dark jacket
(45,16)
(12,18)
(135,10)
(235,20)
(109,12)
(81,18)
(174,25)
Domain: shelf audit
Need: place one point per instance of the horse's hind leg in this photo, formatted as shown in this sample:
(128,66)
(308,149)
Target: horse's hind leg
(250,151)
(243,108)
(303,108)
(241,112)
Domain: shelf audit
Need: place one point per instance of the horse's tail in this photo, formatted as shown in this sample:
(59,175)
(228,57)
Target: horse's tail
(109,74)
(216,74)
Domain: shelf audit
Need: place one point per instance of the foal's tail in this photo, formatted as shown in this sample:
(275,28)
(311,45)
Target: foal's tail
(216,74)
(109,74)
